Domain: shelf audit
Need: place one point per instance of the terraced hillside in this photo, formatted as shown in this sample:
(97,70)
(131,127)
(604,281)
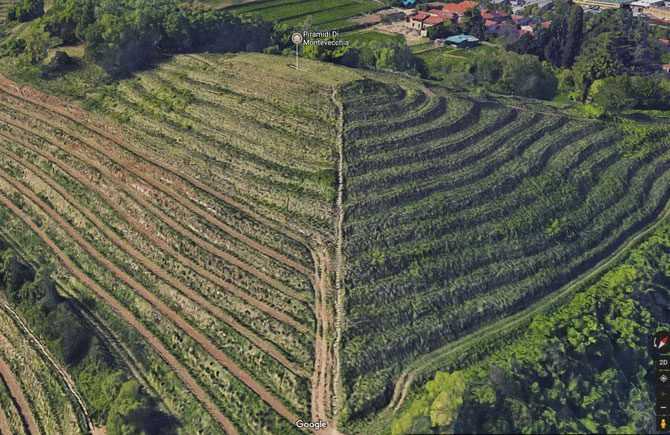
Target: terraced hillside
(322,14)
(460,212)
(205,223)
(34,396)
(4,8)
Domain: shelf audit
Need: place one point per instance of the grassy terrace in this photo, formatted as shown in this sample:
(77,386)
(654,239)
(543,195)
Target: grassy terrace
(48,404)
(323,14)
(460,212)
(194,221)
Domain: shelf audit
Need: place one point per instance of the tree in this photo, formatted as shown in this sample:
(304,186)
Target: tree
(473,23)
(26,10)
(445,406)
(600,58)
(528,77)
(573,38)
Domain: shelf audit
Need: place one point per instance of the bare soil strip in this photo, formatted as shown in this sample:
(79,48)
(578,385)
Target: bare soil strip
(65,376)
(5,428)
(326,380)
(57,107)
(20,399)
(339,258)
(125,314)
(85,180)
(122,244)
(166,311)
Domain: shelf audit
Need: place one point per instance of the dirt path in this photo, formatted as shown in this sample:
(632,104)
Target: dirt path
(339,257)
(165,310)
(122,244)
(326,380)
(65,376)
(123,186)
(20,399)
(5,428)
(126,315)
(147,171)
(56,107)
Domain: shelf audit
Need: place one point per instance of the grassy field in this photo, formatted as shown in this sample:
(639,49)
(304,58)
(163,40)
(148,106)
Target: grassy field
(321,14)
(442,62)
(211,239)
(460,212)
(372,36)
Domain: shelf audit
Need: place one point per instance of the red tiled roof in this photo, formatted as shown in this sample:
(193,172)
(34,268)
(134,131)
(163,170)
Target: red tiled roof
(438,12)
(664,41)
(420,16)
(459,8)
(434,20)
(546,24)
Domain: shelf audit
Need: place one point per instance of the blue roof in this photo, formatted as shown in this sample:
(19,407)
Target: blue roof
(408,2)
(459,39)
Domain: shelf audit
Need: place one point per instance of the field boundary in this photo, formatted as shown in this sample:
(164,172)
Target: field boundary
(338,390)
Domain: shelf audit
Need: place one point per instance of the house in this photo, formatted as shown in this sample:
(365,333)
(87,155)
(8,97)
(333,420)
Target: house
(666,68)
(457,10)
(416,20)
(659,13)
(409,3)
(664,42)
(604,4)
(432,21)
(462,41)
(497,16)
(640,6)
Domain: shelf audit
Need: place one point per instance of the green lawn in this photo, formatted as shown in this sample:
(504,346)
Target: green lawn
(372,36)
(444,61)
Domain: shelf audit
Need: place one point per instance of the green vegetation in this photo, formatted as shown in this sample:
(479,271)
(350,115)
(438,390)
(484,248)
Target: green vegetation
(26,10)
(216,270)
(584,368)
(372,36)
(460,211)
(311,14)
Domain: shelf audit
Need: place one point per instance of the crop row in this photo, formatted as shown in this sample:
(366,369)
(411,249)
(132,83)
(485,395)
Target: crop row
(36,140)
(448,229)
(50,408)
(200,371)
(164,281)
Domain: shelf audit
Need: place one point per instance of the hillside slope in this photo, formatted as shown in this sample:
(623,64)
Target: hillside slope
(460,212)
(200,210)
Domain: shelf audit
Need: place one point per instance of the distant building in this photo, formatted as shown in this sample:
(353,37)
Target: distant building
(416,20)
(640,6)
(666,68)
(462,41)
(659,13)
(604,4)
(459,9)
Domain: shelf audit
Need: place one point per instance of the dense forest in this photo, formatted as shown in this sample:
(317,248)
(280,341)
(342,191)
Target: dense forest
(584,369)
